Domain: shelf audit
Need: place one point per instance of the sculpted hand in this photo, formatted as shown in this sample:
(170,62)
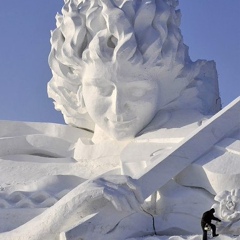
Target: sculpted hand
(122,191)
(87,198)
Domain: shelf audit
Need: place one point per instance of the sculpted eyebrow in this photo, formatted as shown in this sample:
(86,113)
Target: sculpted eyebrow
(96,82)
(144,84)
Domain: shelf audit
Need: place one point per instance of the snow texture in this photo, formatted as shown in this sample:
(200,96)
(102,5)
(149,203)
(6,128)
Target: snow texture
(147,148)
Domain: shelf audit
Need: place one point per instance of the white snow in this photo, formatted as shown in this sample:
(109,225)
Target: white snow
(145,152)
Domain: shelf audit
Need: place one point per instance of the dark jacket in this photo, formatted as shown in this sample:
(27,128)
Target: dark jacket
(208,216)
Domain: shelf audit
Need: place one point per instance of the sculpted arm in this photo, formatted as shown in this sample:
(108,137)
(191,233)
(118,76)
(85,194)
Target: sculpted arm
(87,198)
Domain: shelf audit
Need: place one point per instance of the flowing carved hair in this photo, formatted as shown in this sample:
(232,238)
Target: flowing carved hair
(139,32)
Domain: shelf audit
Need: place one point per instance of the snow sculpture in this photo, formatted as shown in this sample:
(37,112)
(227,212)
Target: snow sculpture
(229,207)
(117,63)
(138,107)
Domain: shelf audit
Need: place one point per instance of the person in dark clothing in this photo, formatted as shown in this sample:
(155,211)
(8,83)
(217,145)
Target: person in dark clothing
(207,217)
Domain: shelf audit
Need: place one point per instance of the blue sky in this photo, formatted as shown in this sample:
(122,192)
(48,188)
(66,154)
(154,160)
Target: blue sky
(210,28)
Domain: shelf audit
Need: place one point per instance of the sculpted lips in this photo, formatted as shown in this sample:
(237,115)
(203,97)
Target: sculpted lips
(119,122)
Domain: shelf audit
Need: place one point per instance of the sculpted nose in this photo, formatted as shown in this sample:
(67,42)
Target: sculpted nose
(118,102)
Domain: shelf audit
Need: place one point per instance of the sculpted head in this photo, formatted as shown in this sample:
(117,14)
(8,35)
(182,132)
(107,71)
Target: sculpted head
(119,100)
(116,63)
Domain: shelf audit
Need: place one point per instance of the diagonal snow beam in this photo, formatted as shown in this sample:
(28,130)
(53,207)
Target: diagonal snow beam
(163,170)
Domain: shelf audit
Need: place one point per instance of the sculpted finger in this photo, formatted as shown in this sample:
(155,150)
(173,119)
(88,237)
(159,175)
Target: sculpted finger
(122,191)
(132,183)
(117,199)
(116,179)
(131,199)
(124,180)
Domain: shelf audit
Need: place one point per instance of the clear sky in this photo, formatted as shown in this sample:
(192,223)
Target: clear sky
(211,29)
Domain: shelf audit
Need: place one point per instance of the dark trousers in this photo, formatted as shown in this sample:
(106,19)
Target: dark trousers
(213,227)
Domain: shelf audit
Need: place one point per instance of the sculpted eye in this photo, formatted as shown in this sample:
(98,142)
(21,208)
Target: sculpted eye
(105,91)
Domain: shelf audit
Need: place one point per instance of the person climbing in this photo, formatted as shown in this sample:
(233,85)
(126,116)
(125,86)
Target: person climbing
(207,217)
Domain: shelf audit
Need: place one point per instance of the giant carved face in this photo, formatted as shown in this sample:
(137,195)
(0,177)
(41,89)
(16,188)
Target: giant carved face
(121,102)
(112,61)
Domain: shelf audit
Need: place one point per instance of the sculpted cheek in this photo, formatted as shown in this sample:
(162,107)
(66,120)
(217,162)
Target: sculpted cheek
(99,107)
